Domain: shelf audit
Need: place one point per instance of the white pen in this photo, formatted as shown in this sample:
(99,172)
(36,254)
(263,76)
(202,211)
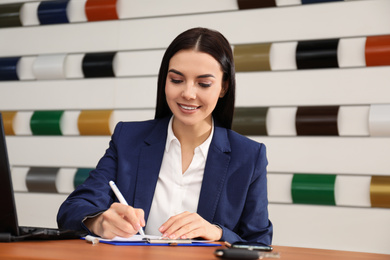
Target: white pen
(122,200)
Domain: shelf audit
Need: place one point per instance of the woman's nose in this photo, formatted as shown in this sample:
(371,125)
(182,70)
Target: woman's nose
(189,92)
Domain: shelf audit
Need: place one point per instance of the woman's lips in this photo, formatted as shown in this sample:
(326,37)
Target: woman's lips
(188,108)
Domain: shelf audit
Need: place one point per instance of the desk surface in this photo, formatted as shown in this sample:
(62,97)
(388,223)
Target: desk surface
(79,249)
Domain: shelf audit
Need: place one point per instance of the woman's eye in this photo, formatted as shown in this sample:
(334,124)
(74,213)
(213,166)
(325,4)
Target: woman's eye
(205,85)
(176,81)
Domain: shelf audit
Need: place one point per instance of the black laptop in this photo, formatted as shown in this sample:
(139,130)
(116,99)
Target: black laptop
(9,228)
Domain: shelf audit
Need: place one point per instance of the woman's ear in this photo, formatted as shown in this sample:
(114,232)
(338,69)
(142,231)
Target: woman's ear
(224,89)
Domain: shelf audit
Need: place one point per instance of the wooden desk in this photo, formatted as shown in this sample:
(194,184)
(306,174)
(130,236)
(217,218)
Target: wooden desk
(79,249)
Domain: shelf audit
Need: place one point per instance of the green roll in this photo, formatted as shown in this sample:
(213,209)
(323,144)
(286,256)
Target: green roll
(80,176)
(250,120)
(46,123)
(315,189)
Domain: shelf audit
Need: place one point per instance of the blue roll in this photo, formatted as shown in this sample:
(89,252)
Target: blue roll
(8,68)
(53,12)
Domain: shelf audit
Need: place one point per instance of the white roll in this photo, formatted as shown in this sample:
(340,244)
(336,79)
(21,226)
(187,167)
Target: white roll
(287,2)
(19,178)
(351,52)
(379,120)
(76,11)
(29,14)
(50,66)
(68,123)
(22,123)
(282,56)
(353,120)
(65,179)
(281,121)
(25,68)
(74,66)
(279,187)
(352,191)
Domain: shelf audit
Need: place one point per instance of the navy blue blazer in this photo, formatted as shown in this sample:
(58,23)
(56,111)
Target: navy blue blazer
(233,193)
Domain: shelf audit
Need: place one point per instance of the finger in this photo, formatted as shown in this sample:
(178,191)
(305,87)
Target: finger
(193,233)
(110,231)
(115,223)
(141,216)
(133,216)
(165,226)
(181,224)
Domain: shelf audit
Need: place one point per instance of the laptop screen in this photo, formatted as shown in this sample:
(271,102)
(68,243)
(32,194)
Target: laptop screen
(8,217)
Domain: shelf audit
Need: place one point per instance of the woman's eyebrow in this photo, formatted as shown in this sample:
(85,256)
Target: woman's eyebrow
(200,76)
(176,72)
(206,76)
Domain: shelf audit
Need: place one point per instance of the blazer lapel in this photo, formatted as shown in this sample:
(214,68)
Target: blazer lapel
(215,173)
(150,160)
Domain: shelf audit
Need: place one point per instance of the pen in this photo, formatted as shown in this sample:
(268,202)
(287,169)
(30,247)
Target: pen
(122,200)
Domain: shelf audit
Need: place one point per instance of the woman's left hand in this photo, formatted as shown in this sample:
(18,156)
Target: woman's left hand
(189,225)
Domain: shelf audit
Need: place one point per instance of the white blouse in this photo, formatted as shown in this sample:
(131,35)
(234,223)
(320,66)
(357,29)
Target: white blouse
(176,192)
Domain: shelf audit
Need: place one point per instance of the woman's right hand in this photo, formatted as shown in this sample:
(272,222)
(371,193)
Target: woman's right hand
(119,220)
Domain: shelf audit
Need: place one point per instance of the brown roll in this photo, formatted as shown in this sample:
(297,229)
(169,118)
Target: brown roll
(320,120)
(252,4)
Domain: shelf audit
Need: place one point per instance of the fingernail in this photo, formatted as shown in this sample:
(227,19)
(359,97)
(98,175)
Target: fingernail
(165,235)
(161,229)
(172,236)
(183,237)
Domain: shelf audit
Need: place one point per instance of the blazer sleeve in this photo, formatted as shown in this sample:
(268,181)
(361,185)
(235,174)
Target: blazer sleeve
(254,224)
(94,195)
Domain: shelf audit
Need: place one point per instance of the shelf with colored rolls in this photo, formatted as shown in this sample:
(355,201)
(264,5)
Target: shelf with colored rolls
(359,52)
(75,11)
(283,188)
(343,121)
(48,179)
(316,188)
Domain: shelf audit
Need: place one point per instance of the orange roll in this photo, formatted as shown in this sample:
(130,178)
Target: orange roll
(94,122)
(8,120)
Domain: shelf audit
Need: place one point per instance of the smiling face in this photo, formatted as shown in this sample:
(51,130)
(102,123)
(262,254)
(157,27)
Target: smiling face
(193,87)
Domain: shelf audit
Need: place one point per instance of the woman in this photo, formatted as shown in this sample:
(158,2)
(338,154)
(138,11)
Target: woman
(185,172)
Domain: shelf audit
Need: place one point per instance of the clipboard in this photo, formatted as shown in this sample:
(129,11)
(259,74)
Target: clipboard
(147,241)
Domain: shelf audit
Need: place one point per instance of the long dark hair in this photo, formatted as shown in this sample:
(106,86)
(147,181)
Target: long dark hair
(214,44)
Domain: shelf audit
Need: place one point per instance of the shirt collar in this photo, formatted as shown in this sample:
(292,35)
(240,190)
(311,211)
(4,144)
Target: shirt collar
(204,147)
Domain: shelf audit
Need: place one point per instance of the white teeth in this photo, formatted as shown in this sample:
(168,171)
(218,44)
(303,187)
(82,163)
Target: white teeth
(188,108)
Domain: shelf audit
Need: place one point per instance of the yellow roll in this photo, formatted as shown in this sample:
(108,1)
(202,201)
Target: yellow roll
(94,122)
(380,191)
(8,119)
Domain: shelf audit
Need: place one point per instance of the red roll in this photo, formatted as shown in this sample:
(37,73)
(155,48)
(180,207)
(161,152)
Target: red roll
(377,50)
(101,10)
